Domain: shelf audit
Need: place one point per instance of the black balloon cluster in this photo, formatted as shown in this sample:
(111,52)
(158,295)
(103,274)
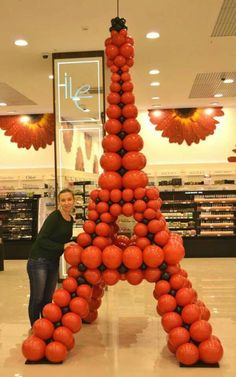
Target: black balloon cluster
(118,24)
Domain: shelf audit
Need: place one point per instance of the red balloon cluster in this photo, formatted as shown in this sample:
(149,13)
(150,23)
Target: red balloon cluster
(102,256)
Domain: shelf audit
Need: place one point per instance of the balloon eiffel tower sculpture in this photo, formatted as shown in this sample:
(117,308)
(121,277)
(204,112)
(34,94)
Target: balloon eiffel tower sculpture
(102,257)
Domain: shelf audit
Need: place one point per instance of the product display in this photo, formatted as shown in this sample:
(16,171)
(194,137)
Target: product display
(81,192)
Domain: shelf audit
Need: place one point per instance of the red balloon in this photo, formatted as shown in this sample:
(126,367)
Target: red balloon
(55,352)
(111,143)
(129,111)
(61,297)
(43,328)
(72,254)
(114,111)
(91,257)
(132,257)
(155,225)
(174,252)
(115,209)
(84,239)
(191,313)
(102,207)
(98,291)
(134,178)
(110,277)
(134,277)
(131,125)
(107,217)
(74,272)
(166,303)
(127,209)
(125,76)
(134,161)
(170,320)
(210,351)
(152,274)
(70,284)
(133,142)
(93,276)
(177,281)
(200,330)
(161,238)
(64,335)
(115,77)
(95,303)
(127,50)
(115,195)
(52,312)
(102,229)
(115,87)
(178,336)
(127,97)
(80,306)
(162,287)
(127,195)
(101,242)
(113,98)
(112,256)
(85,291)
(72,321)
(89,226)
(140,230)
(33,348)
(110,161)
(118,39)
(139,193)
(187,354)
(111,51)
(120,60)
(138,216)
(93,314)
(153,256)
(185,296)
(127,86)
(152,193)
(113,126)
(139,205)
(110,180)
(114,68)
(104,195)
(142,242)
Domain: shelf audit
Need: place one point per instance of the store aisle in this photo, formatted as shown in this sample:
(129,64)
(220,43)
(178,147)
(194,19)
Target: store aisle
(127,339)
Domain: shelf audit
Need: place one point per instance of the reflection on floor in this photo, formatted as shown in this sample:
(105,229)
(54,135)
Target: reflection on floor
(127,339)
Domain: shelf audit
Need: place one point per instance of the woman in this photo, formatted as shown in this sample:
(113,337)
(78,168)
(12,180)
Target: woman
(43,263)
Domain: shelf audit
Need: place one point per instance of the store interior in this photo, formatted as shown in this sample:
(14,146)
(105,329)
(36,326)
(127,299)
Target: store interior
(194,57)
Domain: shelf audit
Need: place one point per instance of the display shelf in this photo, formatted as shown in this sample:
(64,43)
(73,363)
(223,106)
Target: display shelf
(212,215)
(81,191)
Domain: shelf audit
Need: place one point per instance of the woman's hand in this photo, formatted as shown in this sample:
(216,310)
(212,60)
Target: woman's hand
(69,244)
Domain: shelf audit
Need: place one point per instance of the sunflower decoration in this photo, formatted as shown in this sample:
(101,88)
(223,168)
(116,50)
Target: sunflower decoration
(232,158)
(29,130)
(187,124)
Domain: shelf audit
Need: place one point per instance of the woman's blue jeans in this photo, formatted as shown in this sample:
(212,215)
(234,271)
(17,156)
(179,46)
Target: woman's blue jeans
(43,277)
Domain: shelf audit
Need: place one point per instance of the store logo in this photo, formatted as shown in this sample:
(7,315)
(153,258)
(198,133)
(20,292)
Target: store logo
(80,93)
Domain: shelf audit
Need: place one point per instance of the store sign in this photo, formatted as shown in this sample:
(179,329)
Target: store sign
(78,88)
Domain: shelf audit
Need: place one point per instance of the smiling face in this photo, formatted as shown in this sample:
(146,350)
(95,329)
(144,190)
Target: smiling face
(66,201)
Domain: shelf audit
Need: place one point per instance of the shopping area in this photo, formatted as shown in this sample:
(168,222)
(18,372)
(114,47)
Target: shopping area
(139,181)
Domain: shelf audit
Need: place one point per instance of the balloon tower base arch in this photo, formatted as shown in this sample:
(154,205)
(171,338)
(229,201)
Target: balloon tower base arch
(103,257)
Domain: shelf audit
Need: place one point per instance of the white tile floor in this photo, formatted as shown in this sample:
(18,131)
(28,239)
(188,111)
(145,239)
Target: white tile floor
(127,339)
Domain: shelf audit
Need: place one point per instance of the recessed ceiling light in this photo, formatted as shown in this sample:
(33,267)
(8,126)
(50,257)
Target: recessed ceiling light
(156,106)
(24,119)
(228,81)
(218,95)
(214,103)
(3,104)
(21,42)
(152,35)
(155,97)
(157,113)
(155,83)
(154,72)
(50,77)
(11,112)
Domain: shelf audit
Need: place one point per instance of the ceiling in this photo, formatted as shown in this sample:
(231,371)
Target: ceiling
(196,48)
